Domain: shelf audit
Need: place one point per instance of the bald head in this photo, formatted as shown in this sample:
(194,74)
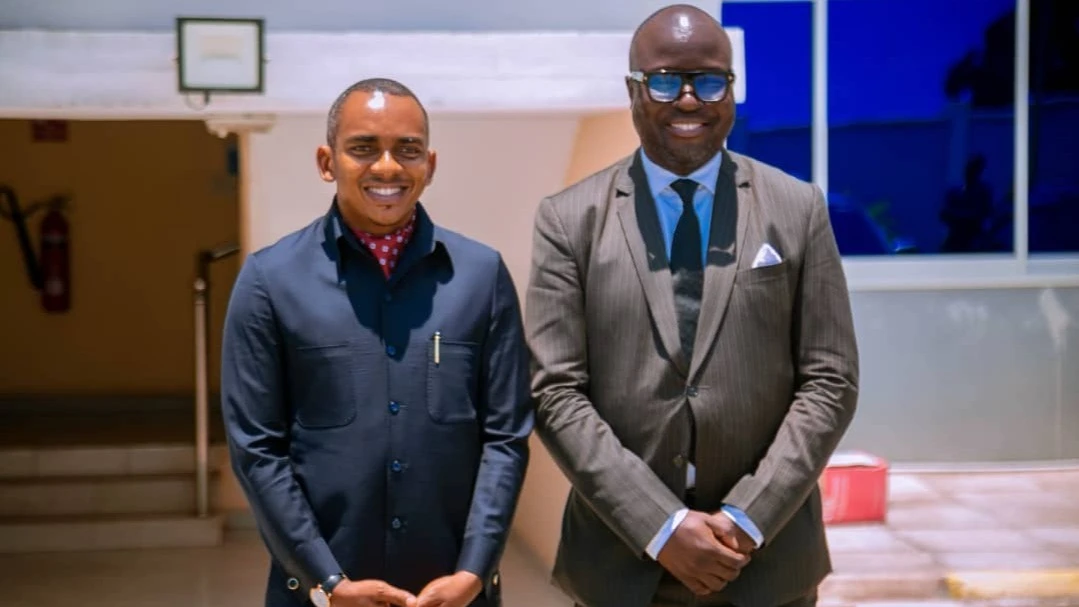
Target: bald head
(672,27)
(682,131)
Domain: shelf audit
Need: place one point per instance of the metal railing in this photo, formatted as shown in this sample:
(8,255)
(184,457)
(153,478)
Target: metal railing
(202,383)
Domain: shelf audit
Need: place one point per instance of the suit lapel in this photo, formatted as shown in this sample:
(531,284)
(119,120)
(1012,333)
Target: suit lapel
(730,216)
(640,225)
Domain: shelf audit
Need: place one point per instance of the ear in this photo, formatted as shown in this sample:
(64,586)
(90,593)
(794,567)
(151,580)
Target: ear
(324,160)
(432,163)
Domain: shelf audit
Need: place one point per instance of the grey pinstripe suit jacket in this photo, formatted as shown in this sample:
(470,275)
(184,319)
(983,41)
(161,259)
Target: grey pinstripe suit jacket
(772,384)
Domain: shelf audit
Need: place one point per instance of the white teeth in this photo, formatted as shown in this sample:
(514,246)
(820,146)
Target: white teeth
(385,191)
(686,126)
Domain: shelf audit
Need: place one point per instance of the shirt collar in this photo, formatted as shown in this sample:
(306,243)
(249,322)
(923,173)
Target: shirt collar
(404,233)
(388,248)
(660,178)
(425,235)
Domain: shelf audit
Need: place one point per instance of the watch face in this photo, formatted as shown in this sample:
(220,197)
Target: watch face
(319,598)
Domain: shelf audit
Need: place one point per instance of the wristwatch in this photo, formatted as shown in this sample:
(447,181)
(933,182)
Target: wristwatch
(320,595)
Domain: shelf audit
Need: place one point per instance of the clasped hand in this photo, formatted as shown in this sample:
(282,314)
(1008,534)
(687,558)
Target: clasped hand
(457,590)
(706,552)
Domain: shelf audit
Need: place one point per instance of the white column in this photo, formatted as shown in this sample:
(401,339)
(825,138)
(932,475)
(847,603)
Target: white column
(820,94)
(242,125)
(1022,132)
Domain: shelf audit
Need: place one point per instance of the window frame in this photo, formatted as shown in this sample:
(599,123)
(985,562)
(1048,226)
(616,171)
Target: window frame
(936,271)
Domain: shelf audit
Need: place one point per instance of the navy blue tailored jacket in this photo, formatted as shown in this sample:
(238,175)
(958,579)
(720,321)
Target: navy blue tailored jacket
(362,445)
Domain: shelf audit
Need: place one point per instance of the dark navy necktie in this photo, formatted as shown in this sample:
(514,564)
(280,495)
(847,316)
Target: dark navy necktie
(687,275)
(687,266)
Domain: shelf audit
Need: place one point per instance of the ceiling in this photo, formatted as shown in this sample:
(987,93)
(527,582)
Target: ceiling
(339,15)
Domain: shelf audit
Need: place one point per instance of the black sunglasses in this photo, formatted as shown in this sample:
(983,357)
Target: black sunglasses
(665,87)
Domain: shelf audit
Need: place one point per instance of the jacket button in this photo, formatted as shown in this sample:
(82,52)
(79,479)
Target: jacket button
(293,583)
(390,350)
(679,460)
(395,408)
(396,523)
(396,465)
(691,391)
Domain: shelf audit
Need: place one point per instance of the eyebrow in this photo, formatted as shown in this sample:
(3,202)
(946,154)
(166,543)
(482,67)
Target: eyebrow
(374,138)
(361,138)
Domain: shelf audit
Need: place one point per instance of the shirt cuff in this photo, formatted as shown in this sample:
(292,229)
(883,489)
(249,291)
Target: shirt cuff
(665,532)
(742,520)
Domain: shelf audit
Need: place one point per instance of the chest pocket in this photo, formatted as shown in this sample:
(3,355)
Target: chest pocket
(452,380)
(764,301)
(323,385)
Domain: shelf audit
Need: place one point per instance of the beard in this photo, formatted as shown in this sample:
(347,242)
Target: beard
(671,152)
(679,156)
(691,157)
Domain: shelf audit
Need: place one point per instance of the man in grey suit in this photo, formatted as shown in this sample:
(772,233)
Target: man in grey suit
(695,363)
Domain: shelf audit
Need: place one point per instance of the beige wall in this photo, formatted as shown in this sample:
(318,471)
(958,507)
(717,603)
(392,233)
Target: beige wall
(600,140)
(146,197)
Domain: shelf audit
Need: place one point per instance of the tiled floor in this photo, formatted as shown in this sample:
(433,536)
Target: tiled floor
(971,521)
(233,575)
(945,603)
(229,576)
(937,524)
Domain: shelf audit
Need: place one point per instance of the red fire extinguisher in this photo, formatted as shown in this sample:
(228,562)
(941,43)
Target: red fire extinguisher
(55,262)
(49,272)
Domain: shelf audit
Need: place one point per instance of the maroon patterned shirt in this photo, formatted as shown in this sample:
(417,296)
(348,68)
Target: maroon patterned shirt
(387,249)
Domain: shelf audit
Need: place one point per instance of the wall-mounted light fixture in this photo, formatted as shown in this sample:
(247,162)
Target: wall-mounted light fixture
(219,55)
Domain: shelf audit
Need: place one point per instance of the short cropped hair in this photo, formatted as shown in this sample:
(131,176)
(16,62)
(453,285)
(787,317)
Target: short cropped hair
(370,85)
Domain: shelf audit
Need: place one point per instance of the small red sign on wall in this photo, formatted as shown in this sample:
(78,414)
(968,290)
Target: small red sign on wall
(49,131)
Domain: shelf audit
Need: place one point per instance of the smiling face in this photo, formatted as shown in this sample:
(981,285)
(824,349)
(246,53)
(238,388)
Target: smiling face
(684,134)
(379,160)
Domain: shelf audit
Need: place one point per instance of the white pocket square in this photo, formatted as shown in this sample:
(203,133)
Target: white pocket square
(766,256)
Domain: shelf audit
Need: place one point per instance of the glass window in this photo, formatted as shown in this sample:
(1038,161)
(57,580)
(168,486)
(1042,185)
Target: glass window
(921,126)
(773,124)
(1053,213)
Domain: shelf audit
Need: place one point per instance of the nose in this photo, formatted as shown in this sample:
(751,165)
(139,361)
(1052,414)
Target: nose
(687,101)
(386,165)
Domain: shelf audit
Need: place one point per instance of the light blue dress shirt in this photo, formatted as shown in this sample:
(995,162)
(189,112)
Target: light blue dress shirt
(669,207)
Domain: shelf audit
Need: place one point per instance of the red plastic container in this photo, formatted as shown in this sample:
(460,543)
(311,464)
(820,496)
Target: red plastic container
(854,488)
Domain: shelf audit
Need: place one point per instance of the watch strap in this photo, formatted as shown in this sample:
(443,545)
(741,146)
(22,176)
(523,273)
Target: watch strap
(331,582)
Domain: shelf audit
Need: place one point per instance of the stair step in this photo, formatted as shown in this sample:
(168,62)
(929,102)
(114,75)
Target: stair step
(89,420)
(20,535)
(93,495)
(104,460)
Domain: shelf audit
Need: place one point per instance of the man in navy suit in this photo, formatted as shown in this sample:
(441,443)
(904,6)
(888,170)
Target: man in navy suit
(375,383)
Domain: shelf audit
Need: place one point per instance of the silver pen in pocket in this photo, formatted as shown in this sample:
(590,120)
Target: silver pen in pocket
(438,342)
